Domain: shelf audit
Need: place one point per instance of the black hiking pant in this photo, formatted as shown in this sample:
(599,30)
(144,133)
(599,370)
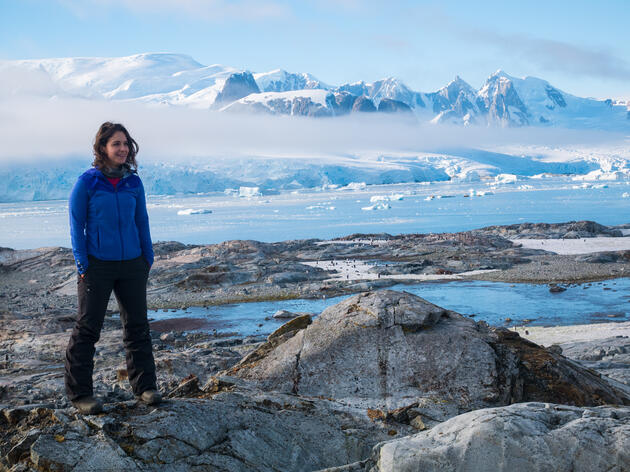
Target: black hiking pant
(128,280)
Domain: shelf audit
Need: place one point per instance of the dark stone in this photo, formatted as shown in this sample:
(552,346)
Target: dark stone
(237,85)
(341,102)
(388,105)
(553,288)
(363,104)
(555,96)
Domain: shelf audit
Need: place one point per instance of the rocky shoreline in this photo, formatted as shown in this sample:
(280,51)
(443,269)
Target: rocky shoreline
(364,386)
(246,271)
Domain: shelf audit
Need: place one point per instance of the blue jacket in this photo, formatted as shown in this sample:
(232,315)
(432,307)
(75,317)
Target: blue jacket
(107,222)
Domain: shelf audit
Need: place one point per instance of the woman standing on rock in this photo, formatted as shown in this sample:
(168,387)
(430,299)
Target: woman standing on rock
(111,243)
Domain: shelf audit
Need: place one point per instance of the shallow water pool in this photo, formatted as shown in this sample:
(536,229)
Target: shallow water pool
(499,304)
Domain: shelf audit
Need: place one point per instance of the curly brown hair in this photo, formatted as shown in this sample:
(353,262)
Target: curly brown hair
(105,132)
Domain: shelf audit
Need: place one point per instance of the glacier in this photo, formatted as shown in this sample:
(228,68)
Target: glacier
(247,177)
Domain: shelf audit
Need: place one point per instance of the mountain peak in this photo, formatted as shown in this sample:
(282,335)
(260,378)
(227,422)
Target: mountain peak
(500,73)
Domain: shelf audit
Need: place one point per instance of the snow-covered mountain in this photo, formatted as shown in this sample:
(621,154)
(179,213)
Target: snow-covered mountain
(179,80)
(282,81)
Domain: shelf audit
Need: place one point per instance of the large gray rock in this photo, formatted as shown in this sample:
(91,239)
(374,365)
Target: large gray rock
(522,437)
(392,350)
(610,356)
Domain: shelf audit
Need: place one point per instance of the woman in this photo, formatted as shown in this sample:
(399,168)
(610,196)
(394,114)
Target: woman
(112,248)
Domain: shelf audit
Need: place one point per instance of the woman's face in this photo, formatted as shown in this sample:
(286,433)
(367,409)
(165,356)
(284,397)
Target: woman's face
(117,149)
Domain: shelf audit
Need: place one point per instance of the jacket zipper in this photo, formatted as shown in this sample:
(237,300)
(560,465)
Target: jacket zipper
(122,249)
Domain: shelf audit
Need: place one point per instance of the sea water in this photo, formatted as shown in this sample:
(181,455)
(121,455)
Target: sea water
(324,214)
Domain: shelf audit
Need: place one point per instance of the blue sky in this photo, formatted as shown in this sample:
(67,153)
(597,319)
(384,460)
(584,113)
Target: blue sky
(580,46)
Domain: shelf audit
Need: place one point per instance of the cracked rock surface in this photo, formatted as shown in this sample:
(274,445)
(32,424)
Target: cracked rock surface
(523,437)
(243,430)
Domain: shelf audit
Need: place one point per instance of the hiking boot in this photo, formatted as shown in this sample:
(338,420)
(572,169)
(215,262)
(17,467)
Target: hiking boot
(88,405)
(150,397)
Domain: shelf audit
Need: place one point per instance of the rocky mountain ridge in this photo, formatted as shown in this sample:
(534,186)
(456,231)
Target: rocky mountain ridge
(176,79)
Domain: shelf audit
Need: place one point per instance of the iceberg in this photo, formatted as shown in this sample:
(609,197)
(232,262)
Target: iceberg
(194,211)
(377,206)
(248,192)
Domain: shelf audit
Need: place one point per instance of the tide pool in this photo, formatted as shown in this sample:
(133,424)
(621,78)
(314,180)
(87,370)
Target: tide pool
(493,302)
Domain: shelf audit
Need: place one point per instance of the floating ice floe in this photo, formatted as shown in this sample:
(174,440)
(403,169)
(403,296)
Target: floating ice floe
(525,187)
(386,198)
(586,185)
(249,192)
(377,206)
(194,211)
(599,174)
(431,197)
(320,207)
(505,179)
(355,186)
(481,193)
(625,195)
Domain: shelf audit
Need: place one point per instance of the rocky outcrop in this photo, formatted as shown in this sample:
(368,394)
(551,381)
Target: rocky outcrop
(527,437)
(455,102)
(388,105)
(388,350)
(237,85)
(500,102)
(236,271)
(570,230)
(341,102)
(234,431)
(315,395)
(389,88)
(610,357)
(363,104)
(556,96)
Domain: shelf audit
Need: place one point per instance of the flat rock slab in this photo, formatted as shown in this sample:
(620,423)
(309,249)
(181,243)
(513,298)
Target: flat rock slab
(391,350)
(532,437)
(229,432)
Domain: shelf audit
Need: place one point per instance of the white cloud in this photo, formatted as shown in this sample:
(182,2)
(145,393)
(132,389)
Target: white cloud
(208,10)
(554,55)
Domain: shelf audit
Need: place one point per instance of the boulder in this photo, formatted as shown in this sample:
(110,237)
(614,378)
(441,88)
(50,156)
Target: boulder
(389,350)
(521,437)
(284,315)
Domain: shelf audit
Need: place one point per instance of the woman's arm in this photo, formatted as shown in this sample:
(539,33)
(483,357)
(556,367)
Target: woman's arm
(142,223)
(78,221)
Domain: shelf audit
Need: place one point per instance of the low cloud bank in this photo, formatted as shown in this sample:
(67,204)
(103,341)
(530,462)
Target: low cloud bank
(36,128)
